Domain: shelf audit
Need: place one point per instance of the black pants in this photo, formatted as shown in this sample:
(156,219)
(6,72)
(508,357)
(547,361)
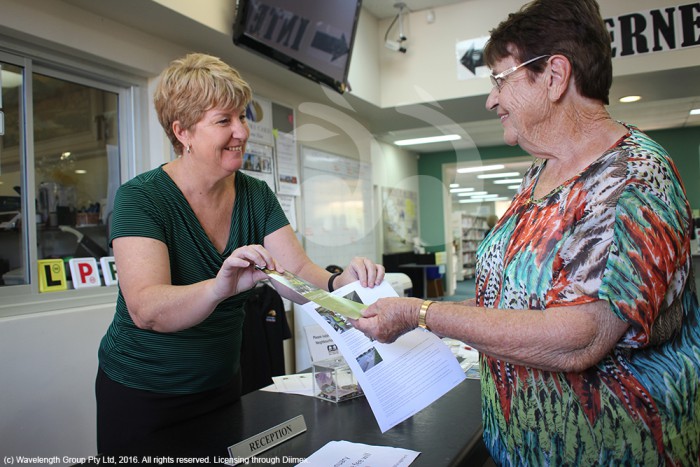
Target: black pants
(127,416)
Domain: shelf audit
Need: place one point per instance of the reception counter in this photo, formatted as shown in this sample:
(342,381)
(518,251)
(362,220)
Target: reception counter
(447,433)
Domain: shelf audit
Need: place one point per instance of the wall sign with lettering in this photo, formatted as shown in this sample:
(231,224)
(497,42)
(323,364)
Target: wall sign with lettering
(657,30)
(631,34)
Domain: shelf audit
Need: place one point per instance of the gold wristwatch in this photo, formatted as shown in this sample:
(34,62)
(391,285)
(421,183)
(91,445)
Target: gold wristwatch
(423,313)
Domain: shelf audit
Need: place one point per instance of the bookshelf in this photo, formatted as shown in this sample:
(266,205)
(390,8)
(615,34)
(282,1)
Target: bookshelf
(469,231)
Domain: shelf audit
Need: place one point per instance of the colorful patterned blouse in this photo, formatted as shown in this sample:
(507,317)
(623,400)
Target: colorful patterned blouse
(619,232)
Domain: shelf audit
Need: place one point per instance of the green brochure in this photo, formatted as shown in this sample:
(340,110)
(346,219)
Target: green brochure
(300,288)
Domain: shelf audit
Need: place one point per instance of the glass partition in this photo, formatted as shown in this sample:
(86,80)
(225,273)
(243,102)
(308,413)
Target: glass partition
(13,255)
(74,145)
(75,135)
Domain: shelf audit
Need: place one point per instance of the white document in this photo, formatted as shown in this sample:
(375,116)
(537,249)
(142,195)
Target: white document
(287,165)
(348,454)
(294,384)
(321,346)
(398,379)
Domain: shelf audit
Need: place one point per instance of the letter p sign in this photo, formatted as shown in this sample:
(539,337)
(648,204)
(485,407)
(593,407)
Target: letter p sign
(84,272)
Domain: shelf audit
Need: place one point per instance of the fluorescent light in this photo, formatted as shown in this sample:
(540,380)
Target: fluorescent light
(80,171)
(499,175)
(695,112)
(628,99)
(476,193)
(429,139)
(480,168)
(454,185)
(513,187)
(505,181)
(460,190)
(486,196)
(479,200)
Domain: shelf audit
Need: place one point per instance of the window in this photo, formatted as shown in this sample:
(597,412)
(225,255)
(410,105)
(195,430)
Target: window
(60,166)
(75,131)
(12,238)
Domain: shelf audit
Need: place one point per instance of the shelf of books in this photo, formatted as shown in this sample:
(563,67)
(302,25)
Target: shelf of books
(470,230)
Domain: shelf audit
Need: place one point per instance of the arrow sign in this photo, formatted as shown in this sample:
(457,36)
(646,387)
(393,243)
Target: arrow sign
(329,44)
(472,58)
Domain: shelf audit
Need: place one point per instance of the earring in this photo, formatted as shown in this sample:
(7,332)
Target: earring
(189,148)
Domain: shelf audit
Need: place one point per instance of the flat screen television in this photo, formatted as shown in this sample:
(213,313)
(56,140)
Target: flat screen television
(313,38)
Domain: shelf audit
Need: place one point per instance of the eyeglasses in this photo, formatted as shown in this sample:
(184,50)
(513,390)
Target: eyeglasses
(499,79)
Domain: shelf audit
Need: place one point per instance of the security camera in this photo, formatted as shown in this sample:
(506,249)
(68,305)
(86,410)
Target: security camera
(395,46)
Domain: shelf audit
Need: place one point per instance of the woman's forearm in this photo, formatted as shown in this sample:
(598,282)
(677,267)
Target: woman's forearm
(558,339)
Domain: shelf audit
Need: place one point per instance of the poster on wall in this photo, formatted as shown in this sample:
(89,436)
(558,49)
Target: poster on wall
(259,116)
(259,163)
(288,180)
(287,164)
(399,219)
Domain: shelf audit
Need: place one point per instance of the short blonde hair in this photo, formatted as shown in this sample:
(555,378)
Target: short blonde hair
(194,84)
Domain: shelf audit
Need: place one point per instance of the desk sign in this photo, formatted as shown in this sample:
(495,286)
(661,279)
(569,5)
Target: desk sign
(267,439)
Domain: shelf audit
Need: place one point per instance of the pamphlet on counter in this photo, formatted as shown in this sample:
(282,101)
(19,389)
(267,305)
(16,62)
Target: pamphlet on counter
(399,379)
(345,453)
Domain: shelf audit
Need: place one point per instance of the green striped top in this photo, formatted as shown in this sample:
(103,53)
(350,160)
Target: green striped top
(207,355)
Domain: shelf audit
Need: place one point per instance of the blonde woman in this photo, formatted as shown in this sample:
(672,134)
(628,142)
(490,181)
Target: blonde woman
(186,238)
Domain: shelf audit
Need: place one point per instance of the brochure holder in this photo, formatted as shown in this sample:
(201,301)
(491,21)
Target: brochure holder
(334,380)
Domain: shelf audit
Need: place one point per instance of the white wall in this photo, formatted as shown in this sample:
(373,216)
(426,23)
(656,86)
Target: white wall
(365,66)
(48,363)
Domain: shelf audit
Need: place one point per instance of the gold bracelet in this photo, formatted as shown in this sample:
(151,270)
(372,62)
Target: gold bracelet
(423,313)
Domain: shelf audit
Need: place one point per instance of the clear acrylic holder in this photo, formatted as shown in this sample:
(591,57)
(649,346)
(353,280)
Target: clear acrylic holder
(334,380)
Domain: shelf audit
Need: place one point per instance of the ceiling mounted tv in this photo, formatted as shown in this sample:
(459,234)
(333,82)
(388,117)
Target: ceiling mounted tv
(313,38)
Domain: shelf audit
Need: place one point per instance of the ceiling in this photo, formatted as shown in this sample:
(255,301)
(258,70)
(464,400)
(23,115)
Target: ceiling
(667,96)
(383,9)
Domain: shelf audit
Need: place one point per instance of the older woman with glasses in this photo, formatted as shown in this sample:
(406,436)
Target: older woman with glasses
(586,316)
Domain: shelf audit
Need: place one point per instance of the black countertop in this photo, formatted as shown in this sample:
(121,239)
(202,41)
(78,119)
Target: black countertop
(447,433)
